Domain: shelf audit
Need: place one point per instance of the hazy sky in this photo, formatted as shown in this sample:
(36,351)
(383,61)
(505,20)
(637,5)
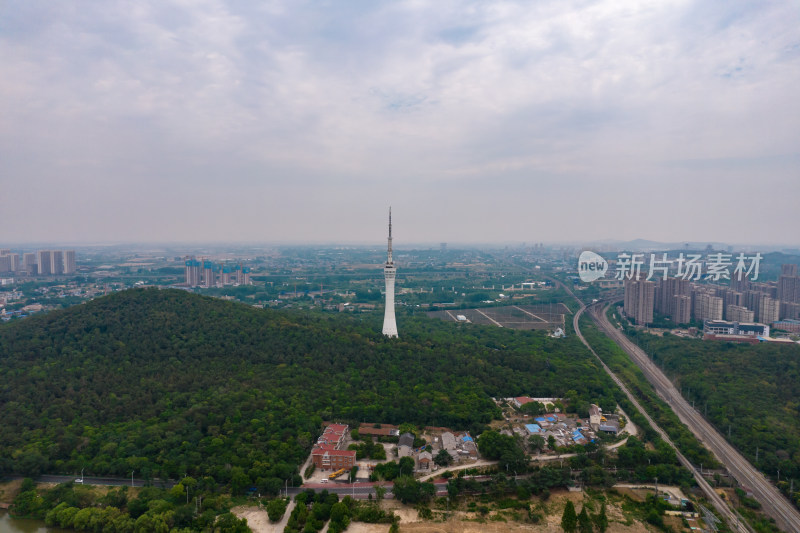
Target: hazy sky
(477,121)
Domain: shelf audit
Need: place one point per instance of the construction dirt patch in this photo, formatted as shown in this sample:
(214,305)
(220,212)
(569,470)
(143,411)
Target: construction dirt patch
(9,490)
(257,519)
(468,522)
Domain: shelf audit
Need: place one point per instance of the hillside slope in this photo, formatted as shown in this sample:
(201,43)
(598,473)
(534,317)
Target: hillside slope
(165,382)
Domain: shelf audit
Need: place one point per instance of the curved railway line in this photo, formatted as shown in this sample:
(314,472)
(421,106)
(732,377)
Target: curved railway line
(719,504)
(773,502)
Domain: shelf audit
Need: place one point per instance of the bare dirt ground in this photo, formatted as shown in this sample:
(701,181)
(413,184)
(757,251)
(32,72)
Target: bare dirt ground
(461,521)
(258,520)
(464,522)
(9,491)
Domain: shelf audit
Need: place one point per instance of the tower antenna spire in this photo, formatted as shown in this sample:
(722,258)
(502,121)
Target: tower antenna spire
(389,257)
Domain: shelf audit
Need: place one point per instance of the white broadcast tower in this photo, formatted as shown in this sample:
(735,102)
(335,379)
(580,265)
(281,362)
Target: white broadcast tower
(389,273)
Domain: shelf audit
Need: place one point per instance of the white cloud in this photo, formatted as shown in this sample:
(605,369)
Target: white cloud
(441,106)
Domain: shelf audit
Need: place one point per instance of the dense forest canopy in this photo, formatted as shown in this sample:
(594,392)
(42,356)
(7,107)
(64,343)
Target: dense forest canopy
(165,382)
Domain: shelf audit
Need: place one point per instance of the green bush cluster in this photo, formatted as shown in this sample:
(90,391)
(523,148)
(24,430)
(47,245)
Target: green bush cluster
(77,507)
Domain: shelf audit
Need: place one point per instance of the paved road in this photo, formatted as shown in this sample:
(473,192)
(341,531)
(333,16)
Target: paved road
(105,481)
(730,516)
(361,490)
(477,464)
(772,501)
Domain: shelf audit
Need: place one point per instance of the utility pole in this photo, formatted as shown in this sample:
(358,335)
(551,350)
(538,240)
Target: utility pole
(132,471)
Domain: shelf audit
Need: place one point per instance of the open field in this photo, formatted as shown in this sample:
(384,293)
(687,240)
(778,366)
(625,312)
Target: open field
(525,317)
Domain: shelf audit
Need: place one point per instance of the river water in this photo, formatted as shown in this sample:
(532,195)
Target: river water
(23,525)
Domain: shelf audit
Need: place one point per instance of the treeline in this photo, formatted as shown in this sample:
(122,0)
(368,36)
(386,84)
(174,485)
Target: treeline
(164,383)
(751,393)
(78,507)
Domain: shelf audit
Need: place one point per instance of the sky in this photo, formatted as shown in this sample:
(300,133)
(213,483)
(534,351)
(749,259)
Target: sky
(297,121)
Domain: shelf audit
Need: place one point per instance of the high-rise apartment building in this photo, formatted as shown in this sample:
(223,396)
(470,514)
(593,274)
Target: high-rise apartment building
(56,262)
(739,282)
(737,313)
(665,293)
(209,278)
(768,310)
(29,263)
(639,300)
(682,309)
(5,263)
(790,310)
(69,262)
(770,289)
(43,260)
(789,284)
(203,272)
(707,306)
(191,271)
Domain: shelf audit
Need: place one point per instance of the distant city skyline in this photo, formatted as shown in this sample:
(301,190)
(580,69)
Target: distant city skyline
(603,246)
(490,122)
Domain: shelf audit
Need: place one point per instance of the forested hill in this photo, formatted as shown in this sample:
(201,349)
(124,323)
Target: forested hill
(165,382)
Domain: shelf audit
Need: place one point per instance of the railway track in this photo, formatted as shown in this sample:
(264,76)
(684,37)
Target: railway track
(772,501)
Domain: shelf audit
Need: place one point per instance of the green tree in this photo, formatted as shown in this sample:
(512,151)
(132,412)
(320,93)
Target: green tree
(601,519)
(239,480)
(443,458)
(407,427)
(406,466)
(533,408)
(569,520)
(536,443)
(28,503)
(340,516)
(276,508)
(410,491)
(229,523)
(584,522)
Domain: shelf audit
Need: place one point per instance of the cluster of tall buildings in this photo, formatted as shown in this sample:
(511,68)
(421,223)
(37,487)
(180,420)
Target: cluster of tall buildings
(742,301)
(40,263)
(205,273)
